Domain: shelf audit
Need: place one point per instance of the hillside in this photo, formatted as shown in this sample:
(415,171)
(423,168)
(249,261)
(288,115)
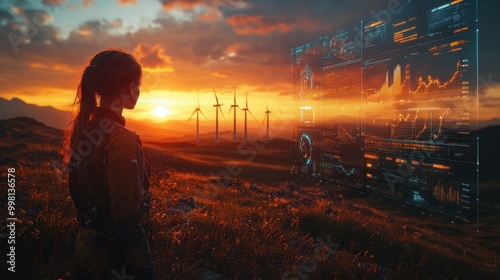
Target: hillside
(211,228)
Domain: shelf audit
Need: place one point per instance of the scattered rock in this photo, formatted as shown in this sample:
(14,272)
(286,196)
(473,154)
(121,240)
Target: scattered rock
(255,189)
(185,203)
(285,193)
(207,274)
(294,187)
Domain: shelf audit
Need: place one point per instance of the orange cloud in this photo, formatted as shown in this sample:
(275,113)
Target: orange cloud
(255,24)
(219,75)
(153,58)
(208,16)
(85,33)
(52,66)
(126,2)
(184,4)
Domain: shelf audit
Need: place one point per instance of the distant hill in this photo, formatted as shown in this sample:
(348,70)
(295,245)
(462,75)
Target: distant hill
(45,114)
(24,140)
(53,117)
(24,130)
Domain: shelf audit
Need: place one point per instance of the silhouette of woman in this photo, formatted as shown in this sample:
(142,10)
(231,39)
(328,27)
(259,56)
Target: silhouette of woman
(108,176)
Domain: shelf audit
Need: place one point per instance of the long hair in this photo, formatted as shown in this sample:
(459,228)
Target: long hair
(107,75)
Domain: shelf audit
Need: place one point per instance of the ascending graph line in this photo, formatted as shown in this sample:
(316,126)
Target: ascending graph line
(406,119)
(436,82)
(400,87)
(440,129)
(424,128)
(413,124)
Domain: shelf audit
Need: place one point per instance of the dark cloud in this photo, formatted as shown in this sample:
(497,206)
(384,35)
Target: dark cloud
(54,2)
(5,15)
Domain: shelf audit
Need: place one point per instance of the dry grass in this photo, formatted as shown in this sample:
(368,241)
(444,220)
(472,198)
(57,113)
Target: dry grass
(238,230)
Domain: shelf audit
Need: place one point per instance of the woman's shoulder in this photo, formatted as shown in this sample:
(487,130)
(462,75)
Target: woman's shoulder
(122,137)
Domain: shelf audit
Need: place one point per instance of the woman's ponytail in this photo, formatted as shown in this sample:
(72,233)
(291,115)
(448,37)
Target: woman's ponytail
(86,99)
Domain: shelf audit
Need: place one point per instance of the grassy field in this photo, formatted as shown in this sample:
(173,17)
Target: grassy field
(210,227)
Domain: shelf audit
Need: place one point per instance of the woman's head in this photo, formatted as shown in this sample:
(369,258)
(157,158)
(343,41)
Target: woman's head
(113,79)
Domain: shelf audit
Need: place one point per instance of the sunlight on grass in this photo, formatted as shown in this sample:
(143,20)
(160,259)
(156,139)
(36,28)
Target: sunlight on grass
(240,230)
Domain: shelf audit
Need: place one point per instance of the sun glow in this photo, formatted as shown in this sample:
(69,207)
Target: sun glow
(161,111)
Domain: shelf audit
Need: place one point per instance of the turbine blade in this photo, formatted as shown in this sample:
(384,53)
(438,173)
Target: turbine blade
(252,115)
(246,102)
(217,99)
(234,95)
(230,110)
(192,115)
(264,119)
(203,115)
(222,113)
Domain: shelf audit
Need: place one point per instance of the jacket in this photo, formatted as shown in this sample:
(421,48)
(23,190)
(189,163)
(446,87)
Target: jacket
(109,183)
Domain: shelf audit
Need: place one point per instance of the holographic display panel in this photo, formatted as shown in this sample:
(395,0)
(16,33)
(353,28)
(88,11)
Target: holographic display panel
(394,110)
(307,89)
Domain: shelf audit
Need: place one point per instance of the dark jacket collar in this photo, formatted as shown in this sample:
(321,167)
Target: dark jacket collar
(101,113)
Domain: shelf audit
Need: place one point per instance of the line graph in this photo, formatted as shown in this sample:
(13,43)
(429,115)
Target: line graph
(434,85)
(412,83)
(432,124)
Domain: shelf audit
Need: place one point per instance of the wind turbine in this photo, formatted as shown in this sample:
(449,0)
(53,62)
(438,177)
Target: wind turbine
(234,106)
(217,108)
(246,109)
(267,117)
(197,111)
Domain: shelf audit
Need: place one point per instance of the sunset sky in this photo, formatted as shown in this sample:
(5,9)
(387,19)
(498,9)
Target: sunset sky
(184,46)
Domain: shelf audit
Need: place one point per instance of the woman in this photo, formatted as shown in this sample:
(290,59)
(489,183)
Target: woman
(108,174)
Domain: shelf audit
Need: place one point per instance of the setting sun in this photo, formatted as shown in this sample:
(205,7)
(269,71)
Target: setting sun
(161,111)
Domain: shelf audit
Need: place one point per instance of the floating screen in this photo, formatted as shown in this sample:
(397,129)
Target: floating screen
(306,75)
(394,111)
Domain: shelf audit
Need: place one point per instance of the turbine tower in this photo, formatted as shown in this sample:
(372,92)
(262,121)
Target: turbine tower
(234,106)
(217,108)
(267,117)
(246,109)
(197,111)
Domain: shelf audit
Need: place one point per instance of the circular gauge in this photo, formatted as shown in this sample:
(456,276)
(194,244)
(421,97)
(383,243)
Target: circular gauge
(306,81)
(305,149)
